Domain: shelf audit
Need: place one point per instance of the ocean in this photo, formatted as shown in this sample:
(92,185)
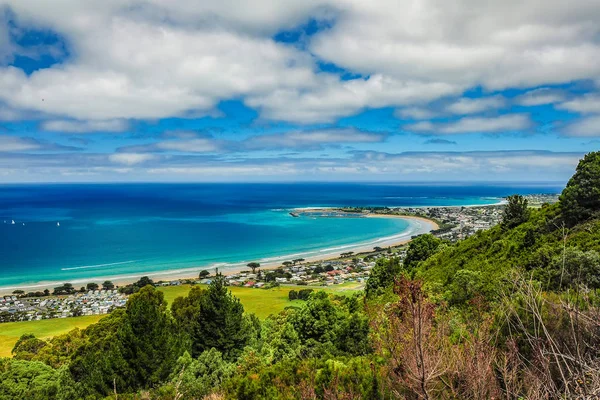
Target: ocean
(86,232)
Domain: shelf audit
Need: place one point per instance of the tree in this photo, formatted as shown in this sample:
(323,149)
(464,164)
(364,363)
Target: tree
(204,274)
(108,285)
(420,249)
(18,292)
(66,288)
(92,286)
(130,349)
(213,318)
(197,378)
(253,266)
(33,380)
(143,282)
(516,211)
(287,263)
(292,295)
(149,341)
(580,200)
(382,276)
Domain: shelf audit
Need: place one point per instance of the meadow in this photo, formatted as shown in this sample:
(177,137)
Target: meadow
(258,301)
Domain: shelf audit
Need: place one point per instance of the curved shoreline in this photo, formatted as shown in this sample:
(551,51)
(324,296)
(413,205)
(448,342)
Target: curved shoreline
(424,225)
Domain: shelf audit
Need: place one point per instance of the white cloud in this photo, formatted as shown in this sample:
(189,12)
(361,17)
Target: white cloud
(497,45)
(589,103)
(414,113)
(508,122)
(585,127)
(311,139)
(69,126)
(130,158)
(332,98)
(190,142)
(538,97)
(476,105)
(157,58)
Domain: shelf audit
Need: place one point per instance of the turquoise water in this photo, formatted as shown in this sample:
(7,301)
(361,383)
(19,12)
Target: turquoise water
(110,231)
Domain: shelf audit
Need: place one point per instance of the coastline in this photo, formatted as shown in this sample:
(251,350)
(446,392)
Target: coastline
(423,225)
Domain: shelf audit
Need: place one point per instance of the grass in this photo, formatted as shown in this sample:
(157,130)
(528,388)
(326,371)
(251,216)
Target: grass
(261,302)
(44,329)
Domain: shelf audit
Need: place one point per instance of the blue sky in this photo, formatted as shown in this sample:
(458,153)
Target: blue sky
(314,90)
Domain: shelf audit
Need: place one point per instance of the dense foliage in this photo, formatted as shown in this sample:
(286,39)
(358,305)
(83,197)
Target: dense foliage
(511,312)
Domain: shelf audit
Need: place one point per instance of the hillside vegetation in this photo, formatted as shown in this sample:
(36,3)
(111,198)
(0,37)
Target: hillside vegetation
(511,313)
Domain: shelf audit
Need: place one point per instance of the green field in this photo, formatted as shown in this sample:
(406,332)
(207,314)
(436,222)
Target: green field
(46,328)
(258,301)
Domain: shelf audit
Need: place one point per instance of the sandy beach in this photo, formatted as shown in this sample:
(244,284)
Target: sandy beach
(424,225)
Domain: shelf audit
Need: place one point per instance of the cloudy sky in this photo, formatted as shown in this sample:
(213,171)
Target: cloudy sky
(297,90)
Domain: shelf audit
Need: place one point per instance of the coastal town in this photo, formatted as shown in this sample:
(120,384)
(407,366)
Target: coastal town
(94,302)
(454,223)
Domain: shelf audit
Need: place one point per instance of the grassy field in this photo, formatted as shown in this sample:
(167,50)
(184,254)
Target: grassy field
(258,301)
(11,331)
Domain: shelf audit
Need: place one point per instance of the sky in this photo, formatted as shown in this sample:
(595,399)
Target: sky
(297,90)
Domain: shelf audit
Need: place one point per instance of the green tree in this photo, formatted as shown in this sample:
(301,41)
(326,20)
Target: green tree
(213,318)
(33,380)
(150,343)
(420,249)
(108,285)
(196,378)
(204,274)
(580,200)
(27,347)
(253,266)
(516,211)
(92,286)
(573,268)
(132,349)
(144,281)
(382,276)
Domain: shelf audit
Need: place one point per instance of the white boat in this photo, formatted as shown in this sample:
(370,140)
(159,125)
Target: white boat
(58,224)
(13,222)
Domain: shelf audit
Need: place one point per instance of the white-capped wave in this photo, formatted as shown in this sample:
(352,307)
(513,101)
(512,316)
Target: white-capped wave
(98,265)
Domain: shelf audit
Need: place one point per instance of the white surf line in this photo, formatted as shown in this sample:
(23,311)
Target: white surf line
(98,265)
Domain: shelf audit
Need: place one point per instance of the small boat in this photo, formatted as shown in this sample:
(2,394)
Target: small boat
(58,224)
(13,222)
(294,215)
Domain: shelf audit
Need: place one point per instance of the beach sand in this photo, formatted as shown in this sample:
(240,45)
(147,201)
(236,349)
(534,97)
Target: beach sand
(192,273)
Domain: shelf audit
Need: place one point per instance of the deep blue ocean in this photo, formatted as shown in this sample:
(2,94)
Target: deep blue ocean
(116,230)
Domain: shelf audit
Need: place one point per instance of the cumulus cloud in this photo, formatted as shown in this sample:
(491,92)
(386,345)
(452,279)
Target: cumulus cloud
(541,96)
(499,45)
(333,98)
(476,105)
(503,123)
(589,103)
(70,126)
(585,127)
(410,51)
